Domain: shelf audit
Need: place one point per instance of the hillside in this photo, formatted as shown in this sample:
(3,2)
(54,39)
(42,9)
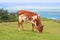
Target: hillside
(8,31)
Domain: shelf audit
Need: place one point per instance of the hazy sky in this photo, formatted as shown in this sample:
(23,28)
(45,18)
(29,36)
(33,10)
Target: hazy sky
(14,5)
(28,4)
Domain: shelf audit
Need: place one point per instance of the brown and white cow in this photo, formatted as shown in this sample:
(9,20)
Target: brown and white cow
(32,17)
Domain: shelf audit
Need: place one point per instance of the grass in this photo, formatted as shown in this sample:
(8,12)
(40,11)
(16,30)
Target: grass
(8,31)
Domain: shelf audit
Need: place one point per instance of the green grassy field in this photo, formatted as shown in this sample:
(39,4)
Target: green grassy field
(8,31)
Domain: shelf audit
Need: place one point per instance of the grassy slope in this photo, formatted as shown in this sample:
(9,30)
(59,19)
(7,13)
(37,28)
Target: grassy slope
(8,31)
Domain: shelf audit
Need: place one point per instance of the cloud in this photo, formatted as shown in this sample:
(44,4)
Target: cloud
(32,7)
(27,4)
(30,1)
(30,4)
(36,8)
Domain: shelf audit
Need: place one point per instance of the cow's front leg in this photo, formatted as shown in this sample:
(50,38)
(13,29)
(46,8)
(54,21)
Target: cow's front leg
(36,27)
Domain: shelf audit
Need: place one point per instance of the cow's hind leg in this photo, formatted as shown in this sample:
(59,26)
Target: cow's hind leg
(22,25)
(18,26)
(33,27)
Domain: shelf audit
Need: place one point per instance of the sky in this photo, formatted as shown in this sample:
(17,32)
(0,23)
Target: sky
(30,4)
(43,5)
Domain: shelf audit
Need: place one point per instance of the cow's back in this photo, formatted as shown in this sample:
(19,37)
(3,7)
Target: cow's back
(27,13)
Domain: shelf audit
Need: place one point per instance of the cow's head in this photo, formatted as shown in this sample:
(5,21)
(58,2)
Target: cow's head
(39,27)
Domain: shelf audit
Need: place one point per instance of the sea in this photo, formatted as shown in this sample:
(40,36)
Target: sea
(50,15)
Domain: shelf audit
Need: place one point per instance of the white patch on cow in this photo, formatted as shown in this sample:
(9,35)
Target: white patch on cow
(34,17)
(34,23)
(22,17)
